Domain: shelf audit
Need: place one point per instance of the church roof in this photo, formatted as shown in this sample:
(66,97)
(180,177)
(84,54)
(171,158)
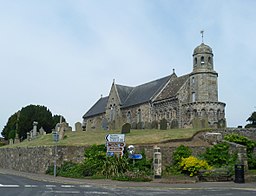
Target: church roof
(145,92)
(172,88)
(123,92)
(202,48)
(98,108)
(130,96)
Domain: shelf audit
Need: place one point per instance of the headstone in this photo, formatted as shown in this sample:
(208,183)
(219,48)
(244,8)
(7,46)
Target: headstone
(35,128)
(78,126)
(126,128)
(104,124)
(10,141)
(41,131)
(17,139)
(28,136)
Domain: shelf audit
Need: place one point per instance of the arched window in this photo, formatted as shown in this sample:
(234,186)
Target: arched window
(195,61)
(139,115)
(128,117)
(202,60)
(209,60)
(193,97)
(203,113)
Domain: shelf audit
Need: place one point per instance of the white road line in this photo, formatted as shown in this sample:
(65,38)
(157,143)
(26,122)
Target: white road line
(96,192)
(69,192)
(30,186)
(67,186)
(85,186)
(9,185)
(50,186)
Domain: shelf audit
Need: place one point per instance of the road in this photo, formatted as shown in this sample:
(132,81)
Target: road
(11,185)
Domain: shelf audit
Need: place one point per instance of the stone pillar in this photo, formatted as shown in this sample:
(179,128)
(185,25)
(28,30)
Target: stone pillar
(157,161)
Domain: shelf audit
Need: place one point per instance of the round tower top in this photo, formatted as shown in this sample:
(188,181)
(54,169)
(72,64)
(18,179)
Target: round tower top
(202,49)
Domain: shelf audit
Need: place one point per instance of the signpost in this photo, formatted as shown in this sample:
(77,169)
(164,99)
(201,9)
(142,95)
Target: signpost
(115,144)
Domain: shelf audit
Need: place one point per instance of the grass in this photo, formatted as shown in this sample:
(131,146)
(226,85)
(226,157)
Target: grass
(144,136)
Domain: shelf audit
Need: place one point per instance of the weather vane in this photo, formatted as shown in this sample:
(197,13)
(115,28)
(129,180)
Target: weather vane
(202,32)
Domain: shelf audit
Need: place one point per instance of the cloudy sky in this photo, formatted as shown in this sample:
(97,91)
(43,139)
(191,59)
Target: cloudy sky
(64,54)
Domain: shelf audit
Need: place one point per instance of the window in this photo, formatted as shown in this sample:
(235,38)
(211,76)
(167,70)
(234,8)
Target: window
(202,60)
(193,80)
(193,97)
(209,60)
(128,117)
(195,61)
(139,116)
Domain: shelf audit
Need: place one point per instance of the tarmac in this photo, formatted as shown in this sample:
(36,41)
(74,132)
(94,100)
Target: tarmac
(156,183)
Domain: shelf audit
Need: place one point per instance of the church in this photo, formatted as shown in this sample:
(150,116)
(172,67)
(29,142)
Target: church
(187,101)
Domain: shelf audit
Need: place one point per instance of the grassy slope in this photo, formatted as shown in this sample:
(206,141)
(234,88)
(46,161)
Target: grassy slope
(98,137)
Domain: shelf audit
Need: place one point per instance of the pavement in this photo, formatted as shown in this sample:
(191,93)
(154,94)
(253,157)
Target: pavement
(157,183)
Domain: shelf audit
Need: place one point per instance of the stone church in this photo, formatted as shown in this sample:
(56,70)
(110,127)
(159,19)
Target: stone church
(190,100)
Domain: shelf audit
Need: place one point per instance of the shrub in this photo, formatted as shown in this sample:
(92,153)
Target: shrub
(250,145)
(95,157)
(180,152)
(219,155)
(192,165)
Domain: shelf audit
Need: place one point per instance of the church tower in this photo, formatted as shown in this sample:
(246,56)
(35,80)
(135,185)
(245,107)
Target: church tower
(203,79)
(203,107)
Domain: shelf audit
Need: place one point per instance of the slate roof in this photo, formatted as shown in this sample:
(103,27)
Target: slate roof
(145,92)
(123,92)
(130,96)
(172,88)
(98,108)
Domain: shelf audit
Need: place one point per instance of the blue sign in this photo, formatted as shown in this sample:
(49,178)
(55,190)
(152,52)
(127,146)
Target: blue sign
(135,156)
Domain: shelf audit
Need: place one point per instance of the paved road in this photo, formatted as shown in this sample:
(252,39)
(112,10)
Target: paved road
(12,185)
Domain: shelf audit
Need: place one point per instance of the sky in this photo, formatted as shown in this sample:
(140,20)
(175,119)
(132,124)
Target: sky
(64,54)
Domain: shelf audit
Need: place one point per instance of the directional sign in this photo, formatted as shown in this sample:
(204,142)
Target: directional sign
(115,144)
(115,138)
(135,156)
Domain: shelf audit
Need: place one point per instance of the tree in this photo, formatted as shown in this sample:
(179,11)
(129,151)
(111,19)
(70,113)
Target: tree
(22,121)
(252,120)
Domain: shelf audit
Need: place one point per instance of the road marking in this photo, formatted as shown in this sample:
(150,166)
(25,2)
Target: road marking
(96,192)
(85,186)
(30,186)
(50,186)
(9,185)
(67,186)
(69,192)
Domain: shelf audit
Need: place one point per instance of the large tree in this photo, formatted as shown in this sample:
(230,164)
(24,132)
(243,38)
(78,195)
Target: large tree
(252,120)
(22,121)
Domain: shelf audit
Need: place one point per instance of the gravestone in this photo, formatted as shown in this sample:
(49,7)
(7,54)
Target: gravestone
(78,126)
(17,139)
(41,131)
(10,141)
(35,128)
(126,128)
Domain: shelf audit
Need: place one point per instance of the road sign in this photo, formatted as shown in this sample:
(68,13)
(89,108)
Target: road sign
(115,144)
(115,138)
(135,156)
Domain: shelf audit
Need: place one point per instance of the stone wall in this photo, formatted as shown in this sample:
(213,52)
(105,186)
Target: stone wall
(38,159)
(247,132)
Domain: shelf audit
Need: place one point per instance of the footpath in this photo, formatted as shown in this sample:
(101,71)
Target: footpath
(157,183)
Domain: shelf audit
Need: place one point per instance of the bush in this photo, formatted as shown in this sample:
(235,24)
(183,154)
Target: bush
(219,155)
(95,157)
(250,145)
(192,165)
(180,152)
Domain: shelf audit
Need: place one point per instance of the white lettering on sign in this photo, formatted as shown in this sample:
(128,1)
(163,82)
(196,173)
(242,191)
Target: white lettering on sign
(115,138)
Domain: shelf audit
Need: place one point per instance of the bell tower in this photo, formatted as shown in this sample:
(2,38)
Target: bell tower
(203,79)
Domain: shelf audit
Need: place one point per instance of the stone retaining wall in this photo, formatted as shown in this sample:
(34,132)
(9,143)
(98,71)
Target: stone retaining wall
(38,159)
